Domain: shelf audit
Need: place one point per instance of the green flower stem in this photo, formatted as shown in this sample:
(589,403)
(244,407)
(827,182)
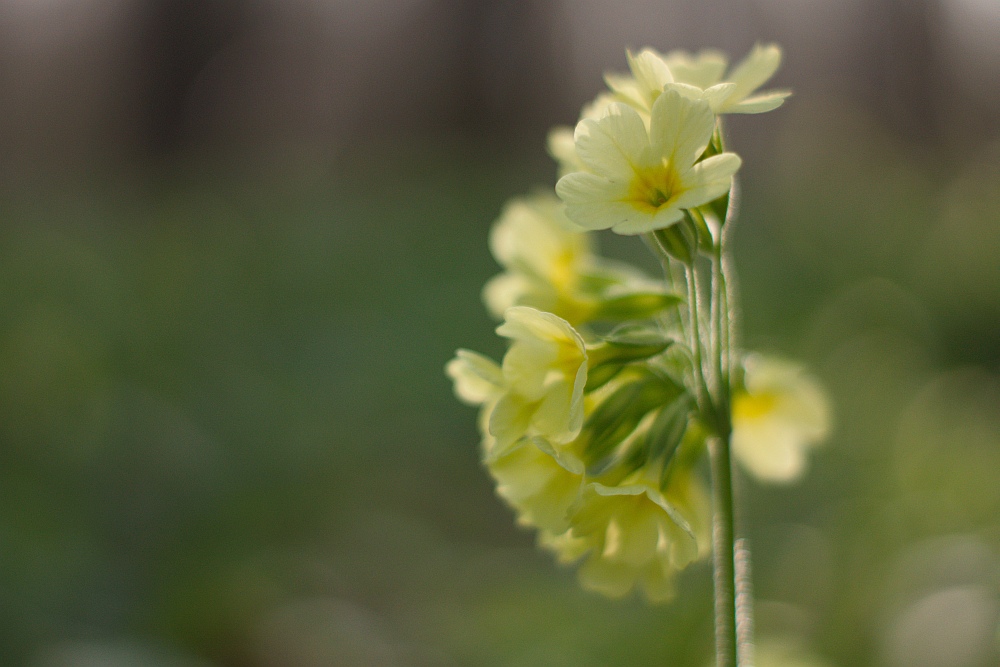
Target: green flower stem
(704,396)
(723,552)
(668,276)
(715,408)
(720,334)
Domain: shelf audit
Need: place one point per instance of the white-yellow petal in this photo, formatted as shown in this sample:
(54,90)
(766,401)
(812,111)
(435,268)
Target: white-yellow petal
(509,421)
(528,324)
(702,70)
(760,103)
(680,128)
(503,291)
(651,74)
(636,222)
(536,485)
(759,66)
(781,414)
(477,378)
(772,452)
(562,147)
(614,144)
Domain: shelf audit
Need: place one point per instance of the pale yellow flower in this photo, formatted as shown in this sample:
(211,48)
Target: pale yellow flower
(651,76)
(702,75)
(638,180)
(778,417)
(632,534)
(544,373)
(550,265)
(536,484)
(544,256)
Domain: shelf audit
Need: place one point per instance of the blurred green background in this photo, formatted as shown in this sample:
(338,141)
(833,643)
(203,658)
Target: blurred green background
(239,241)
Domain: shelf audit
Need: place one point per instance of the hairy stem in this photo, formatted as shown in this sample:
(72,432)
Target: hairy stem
(723,552)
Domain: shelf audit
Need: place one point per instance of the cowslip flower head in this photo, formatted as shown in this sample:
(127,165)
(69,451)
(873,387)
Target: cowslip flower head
(779,415)
(544,374)
(638,180)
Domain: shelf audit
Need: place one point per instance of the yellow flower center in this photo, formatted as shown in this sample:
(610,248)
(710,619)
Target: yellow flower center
(747,407)
(653,187)
(562,272)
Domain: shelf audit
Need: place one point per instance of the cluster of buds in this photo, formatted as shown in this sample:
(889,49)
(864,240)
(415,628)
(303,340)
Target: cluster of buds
(595,423)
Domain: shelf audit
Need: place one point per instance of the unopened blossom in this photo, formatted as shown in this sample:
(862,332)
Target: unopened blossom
(638,180)
(779,415)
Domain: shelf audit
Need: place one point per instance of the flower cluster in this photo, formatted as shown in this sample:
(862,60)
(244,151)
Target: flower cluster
(595,422)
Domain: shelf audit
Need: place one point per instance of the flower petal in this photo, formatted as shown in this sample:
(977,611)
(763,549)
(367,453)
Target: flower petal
(527,324)
(477,378)
(562,148)
(759,66)
(650,72)
(503,291)
(680,128)
(509,420)
(583,188)
(608,215)
(614,580)
(612,145)
(708,180)
(772,99)
(702,70)
(640,223)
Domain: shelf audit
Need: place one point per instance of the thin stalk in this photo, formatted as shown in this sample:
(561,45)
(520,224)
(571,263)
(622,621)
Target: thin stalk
(723,552)
(722,324)
(716,324)
(694,305)
(669,276)
(744,605)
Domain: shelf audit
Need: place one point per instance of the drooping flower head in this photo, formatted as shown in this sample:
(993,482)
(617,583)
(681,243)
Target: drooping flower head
(638,180)
(778,416)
